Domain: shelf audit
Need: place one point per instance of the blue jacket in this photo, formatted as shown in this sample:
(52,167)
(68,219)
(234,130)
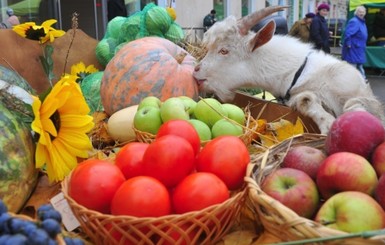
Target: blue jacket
(354,44)
(319,33)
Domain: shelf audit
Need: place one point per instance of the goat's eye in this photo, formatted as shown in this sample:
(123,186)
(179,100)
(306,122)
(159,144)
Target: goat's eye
(223,51)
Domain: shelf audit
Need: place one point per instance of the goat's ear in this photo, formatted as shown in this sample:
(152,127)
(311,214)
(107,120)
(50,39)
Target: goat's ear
(263,35)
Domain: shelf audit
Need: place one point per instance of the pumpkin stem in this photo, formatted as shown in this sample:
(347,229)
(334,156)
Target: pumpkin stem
(180,57)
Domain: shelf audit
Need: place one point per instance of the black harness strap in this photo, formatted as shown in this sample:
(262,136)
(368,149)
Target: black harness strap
(296,76)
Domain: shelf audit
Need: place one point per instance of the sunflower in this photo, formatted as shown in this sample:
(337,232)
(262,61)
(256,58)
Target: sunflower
(61,122)
(41,33)
(80,71)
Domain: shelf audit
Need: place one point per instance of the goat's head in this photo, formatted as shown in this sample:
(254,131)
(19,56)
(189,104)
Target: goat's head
(229,45)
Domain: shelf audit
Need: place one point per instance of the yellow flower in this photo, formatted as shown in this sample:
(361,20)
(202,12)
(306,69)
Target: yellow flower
(62,123)
(171,12)
(80,71)
(41,33)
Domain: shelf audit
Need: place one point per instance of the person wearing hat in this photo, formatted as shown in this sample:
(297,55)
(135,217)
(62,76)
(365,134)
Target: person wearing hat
(209,20)
(301,28)
(319,32)
(12,18)
(355,38)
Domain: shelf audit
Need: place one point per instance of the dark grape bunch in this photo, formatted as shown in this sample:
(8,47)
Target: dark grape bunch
(17,231)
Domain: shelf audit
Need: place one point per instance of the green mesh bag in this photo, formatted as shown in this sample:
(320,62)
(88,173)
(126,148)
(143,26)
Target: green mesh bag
(175,33)
(130,28)
(155,21)
(114,27)
(90,87)
(105,50)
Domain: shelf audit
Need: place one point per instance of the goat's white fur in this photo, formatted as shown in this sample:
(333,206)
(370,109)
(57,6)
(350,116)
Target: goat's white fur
(326,88)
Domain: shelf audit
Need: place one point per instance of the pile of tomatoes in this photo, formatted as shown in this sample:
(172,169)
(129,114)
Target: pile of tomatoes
(172,175)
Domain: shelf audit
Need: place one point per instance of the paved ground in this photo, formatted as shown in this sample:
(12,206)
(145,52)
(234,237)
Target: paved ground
(378,85)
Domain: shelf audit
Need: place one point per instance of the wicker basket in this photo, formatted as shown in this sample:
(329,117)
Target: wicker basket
(279,219)
(206,226)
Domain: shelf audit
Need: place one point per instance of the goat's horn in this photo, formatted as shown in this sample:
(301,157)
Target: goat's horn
(248,21)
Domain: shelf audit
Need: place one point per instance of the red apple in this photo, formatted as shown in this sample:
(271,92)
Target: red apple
(378,159)
(379,193)
(355,131)
(351,211)
(346,171)
(294,189)
(305,158)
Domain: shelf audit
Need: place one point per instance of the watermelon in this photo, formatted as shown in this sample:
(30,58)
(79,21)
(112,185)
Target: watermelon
(18,175)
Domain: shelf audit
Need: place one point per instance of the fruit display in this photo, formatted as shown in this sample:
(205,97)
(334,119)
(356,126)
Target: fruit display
(340,172)
(208,116)
(334,217)
(165,67)
(165,179)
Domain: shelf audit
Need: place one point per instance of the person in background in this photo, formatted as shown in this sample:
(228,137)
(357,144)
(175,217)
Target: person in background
(301,28)
(209,20)
(12,18)
(379,27)
(319,32)
(116,8)
(355,38)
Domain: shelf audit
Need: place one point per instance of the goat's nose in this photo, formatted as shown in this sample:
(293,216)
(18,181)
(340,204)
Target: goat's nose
(197,68)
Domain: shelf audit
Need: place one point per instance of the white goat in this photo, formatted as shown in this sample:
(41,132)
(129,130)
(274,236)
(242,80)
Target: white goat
(324,86)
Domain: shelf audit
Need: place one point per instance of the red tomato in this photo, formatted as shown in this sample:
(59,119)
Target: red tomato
(94,182)
(141,196)
(198,191)
(183,129)
(169,159)
(129,159)
(227,157)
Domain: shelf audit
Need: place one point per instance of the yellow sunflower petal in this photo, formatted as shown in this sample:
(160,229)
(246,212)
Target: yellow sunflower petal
(62,163)
(78,140)
(83,122)
(41,155)
(48,23)
(79,150)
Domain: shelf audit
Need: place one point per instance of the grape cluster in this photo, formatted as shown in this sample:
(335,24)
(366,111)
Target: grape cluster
(17,231)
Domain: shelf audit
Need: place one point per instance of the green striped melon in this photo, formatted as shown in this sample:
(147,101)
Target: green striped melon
(18,175)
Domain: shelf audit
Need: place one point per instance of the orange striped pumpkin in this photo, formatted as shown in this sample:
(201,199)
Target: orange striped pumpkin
(150,66)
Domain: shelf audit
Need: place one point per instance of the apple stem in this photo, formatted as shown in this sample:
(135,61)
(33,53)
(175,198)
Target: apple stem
(365,234)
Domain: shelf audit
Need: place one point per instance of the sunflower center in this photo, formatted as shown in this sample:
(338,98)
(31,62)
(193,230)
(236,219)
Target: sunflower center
(35,34)
(55,118)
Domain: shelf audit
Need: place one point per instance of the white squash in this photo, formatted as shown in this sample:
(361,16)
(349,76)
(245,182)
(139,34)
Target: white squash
(120,125)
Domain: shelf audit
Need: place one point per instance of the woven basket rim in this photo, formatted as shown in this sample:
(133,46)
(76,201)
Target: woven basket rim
(276,217)
(93,221)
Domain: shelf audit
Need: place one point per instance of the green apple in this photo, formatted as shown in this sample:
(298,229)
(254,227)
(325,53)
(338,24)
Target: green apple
(150,101)
(209,110)
(203,130)
(225,127)
(189,104)
(235,113)
(351,211)
(173,108)
(147,119)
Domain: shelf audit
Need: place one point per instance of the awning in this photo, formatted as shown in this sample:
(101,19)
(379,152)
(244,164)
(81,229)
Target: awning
(24,7)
